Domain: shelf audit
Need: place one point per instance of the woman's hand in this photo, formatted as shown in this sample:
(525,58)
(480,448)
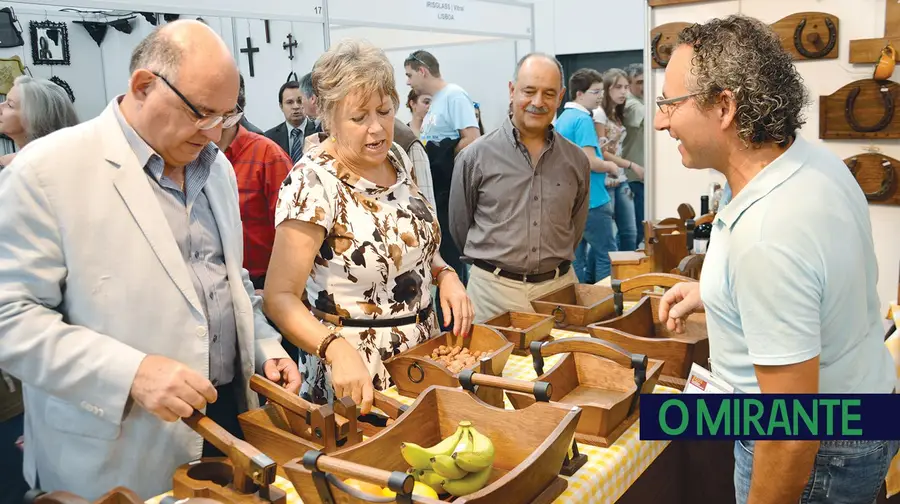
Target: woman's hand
(455,301)
(349,375)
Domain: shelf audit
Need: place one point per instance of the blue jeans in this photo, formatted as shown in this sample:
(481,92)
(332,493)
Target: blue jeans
(592,254)
(637,188)
(623,202)
(845,472)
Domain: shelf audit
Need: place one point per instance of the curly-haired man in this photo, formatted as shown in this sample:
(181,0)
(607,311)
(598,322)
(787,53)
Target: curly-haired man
(789,279)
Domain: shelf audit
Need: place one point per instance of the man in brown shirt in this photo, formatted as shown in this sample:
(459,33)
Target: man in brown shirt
(519,198)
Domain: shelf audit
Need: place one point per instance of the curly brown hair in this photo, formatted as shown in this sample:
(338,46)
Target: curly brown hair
(743,55)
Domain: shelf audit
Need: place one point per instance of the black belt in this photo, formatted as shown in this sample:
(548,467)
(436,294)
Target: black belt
(560,270)
(422,315)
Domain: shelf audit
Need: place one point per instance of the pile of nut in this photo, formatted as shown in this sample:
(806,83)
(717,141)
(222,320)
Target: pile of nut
(455,358)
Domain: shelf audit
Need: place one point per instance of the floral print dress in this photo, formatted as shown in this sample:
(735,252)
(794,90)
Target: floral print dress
(375,261)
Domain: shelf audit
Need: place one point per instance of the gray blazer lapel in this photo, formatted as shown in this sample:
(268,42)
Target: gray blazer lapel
(217,189)
(132,184)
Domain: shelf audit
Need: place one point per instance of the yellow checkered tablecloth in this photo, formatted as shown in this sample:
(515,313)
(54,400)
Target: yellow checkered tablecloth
(608,473)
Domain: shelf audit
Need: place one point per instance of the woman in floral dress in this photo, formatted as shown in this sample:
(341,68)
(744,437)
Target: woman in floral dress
(355,235)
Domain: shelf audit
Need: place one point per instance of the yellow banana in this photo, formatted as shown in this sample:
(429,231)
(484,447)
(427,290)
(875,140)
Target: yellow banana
(432,479)
(469,484)
(420,458)
(480,456)
(446,467)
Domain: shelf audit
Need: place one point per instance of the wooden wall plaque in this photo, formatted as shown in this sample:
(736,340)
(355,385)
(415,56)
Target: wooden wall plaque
(861,109)
(662,42)
(809,35)
(869,50)
(877,176)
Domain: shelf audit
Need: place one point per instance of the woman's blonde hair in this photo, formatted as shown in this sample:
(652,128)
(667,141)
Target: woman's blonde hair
(352,66)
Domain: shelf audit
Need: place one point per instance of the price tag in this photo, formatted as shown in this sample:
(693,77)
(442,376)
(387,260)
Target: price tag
(701,381)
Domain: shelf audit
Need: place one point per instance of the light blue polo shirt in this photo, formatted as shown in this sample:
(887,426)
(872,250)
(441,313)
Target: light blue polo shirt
(576,125)
(791,273)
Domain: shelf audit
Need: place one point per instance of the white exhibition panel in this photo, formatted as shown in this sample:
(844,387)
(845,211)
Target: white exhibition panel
(485,78)
(457,16)
(673,184)
(305,10)
(272,64)
(392,38)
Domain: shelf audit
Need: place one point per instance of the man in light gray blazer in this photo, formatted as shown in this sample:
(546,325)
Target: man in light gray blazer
(123,303)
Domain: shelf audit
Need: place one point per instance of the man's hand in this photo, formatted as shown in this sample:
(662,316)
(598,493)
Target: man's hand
(169,389)
(679,302)
(283,372)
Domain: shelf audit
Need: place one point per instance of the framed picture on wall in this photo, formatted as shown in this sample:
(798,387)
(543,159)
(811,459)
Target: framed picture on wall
(49,43)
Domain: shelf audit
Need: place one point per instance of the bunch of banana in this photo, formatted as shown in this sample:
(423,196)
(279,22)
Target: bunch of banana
(458,465)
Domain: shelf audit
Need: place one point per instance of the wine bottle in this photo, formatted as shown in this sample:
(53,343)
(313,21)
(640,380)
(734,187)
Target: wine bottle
(703,231)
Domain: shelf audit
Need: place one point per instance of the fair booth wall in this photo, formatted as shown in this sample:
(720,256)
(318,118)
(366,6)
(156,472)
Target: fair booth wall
(476,42)
(672,184)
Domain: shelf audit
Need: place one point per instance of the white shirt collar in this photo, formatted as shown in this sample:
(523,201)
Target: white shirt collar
(577,106)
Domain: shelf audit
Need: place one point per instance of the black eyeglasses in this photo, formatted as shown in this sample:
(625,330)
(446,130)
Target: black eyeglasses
(206,122)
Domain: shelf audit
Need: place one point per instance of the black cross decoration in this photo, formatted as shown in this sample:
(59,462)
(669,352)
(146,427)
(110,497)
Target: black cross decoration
(290,45)
(249,50)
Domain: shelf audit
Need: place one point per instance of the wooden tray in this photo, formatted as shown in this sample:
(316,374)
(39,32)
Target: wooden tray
(246,476)
(862,109)
(809,35)
(639,330)
(641,283)
(413,371)
(605,381)
(118,495)
(522,328)
(526,466)
(284,429)
(576,305)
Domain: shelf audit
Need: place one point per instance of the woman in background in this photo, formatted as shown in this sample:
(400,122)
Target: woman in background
(417,104)
(33,108)
(354,233)
(609,122)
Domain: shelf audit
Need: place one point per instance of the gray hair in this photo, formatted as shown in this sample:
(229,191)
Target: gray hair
(45,107)
(548,57)
(306,86)
(157,53)
(743,55)
(634,70)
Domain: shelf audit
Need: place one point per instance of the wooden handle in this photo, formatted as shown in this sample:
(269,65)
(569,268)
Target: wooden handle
(271,391)
(588,345)
(390,406)
(469,379)
(686,211)
(667,280)
(212,432)
(397,481)
(705,219)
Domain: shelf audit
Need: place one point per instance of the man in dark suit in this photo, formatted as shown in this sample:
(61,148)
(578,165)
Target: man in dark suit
(310,105)
(289,135)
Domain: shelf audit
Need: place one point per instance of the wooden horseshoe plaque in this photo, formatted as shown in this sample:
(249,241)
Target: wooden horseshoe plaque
(662,43)
(877,176)
(862,109)
(809,35)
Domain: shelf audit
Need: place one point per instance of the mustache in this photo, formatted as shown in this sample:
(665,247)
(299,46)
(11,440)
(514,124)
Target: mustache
(537,110)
